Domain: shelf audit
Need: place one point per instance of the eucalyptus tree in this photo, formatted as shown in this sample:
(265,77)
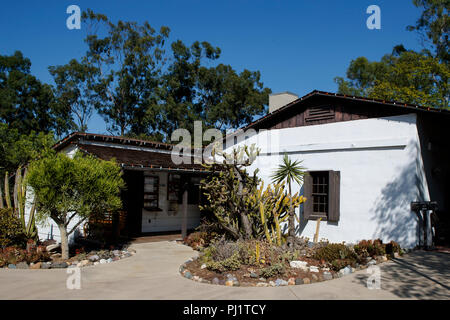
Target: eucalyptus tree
(76,91)
(129,58)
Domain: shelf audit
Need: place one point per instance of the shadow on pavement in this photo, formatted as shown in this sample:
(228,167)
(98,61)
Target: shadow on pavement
(417,275)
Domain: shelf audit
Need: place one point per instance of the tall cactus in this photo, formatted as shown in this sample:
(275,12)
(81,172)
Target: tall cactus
(7,194)
(1,198)
(274,203)
(19,203)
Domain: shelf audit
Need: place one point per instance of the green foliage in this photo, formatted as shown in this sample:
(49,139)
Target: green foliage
(222,255)
(18,205)
(290,172)
(273,204)
(218,96)
(334,251)
(129,59)
(228,264)
(405,76)
(434,24)
(11,231)
(17,149)
(75,91)
(84,186)
(145,88)
(26,104)
(272,270)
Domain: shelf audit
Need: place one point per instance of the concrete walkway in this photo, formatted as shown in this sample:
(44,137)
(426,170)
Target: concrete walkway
(152,273)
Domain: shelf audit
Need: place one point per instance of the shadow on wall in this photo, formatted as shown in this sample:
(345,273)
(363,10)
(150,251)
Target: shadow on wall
(418,275)
(392,214)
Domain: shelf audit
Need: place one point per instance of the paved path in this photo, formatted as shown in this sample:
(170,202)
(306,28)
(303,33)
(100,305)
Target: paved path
(152,273)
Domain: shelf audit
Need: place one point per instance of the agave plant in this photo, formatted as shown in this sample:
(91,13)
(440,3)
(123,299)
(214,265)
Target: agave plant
(291,172)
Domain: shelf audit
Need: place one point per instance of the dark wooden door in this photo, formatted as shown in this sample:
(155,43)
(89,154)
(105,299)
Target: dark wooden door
(133,201)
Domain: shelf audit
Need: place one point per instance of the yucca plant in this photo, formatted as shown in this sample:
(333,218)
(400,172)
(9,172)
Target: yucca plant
(291,172)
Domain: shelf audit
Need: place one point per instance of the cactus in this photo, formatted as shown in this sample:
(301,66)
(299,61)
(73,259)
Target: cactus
(7,194)
(273,204)
(1,198)
(257,253)
(19,201)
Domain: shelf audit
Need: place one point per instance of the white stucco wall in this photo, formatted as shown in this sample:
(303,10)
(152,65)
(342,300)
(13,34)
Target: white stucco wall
(381,174)
(166,220)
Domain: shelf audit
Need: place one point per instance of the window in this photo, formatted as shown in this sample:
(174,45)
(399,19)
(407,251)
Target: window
(322,192)
(174,187)
(151,192)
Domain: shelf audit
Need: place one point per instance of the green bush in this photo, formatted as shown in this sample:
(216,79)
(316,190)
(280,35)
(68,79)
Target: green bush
(229,264)
(11,230)
(273,270)
(334,251)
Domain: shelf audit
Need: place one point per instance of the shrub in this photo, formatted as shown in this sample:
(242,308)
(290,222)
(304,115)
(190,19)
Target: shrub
(11,231)
(14,255)
(198,239)
(393,247)
(229,264)
(273,270)
(334,251)
(370,248)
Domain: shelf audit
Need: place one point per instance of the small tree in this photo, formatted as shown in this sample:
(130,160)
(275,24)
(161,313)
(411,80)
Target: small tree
(290,172)
(82,186)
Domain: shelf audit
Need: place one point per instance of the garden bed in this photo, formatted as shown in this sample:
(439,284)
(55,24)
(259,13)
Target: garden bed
(38,257)
(233,263)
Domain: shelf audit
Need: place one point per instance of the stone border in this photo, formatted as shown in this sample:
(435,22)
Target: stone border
(313,278)
(92,260)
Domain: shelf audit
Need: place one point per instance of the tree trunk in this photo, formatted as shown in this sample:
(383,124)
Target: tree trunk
(246,224)
(64,242)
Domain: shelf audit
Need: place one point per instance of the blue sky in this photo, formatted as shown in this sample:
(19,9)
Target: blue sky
(297,45)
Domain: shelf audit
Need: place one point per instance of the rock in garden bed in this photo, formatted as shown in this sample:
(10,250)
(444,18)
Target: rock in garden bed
(247,276)
(224,263)
(54,261)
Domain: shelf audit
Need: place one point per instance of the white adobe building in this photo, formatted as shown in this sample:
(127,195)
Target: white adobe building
(368,160)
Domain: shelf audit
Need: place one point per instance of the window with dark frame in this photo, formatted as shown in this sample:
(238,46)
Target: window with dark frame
(174,187)
(322,192)
(151,192)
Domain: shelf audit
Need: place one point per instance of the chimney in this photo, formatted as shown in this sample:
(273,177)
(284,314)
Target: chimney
(278,100)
